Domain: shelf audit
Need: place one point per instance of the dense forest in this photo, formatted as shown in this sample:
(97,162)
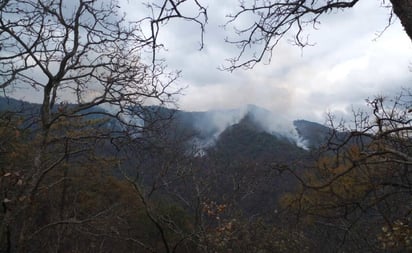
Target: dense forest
(106,163)
(161,190)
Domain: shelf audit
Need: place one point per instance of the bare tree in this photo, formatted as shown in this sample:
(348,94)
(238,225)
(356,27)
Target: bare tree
(90,67)
(83,49)
(361,185)
(264,23)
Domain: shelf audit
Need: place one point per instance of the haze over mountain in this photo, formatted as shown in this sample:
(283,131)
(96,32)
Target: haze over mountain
(206,128)
(209,126)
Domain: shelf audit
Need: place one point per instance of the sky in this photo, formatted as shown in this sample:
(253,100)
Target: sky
(349,63)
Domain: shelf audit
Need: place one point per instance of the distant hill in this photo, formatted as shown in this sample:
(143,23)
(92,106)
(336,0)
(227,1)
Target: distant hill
(248,139)
(13,105)
(207,127)
(313,133)
(239,154)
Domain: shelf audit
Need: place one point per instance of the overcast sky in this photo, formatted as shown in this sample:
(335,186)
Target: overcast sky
(348,64)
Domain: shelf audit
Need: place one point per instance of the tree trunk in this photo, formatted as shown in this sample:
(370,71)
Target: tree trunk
(403,9)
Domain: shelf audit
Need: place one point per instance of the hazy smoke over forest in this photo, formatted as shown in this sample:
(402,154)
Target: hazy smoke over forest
(211,124)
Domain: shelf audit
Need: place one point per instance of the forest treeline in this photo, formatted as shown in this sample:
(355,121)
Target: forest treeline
(250,192)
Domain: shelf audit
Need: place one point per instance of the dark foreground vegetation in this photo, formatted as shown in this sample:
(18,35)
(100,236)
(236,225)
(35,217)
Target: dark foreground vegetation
(249,192)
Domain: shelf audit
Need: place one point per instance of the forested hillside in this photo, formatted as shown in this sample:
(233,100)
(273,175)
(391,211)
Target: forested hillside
(236,177)
(165,190)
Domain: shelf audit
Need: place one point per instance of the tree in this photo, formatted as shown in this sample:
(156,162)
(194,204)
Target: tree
(83,49)
(403,10)
(361,186)
(90,68)
(268,22)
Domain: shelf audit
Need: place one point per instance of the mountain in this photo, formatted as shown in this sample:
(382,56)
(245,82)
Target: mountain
(13,105)
(312,133)
(211,127)
(206,128)
(249,139)
(239,157)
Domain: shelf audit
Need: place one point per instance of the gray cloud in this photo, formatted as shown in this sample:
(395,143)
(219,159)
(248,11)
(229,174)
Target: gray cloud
(347,65)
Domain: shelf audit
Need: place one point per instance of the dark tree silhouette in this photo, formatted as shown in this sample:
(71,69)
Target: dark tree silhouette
(265,23)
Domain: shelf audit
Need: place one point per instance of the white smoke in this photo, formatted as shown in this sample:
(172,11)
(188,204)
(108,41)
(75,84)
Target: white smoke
(215,122)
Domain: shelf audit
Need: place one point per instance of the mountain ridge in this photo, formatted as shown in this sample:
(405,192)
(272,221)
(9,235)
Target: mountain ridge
(207,126)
